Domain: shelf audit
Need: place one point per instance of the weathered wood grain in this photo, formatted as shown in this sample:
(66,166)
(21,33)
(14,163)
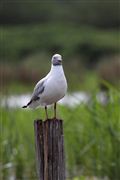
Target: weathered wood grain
(50,154)
(39,142)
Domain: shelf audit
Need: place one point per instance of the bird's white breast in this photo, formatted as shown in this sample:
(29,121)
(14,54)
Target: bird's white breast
(55,87)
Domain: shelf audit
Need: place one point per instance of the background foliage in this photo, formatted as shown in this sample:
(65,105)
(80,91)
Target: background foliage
(86,33)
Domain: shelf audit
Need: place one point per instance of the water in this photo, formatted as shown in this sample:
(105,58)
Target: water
(71,99)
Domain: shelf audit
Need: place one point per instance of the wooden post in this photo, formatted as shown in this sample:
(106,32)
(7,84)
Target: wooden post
(49,142)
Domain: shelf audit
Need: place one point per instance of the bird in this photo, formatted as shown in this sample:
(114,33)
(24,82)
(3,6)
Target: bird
(51,88)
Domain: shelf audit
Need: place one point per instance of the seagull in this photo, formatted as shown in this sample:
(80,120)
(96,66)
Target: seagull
(51,88)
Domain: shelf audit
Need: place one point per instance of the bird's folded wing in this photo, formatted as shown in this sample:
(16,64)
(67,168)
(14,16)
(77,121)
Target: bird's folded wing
(39,89)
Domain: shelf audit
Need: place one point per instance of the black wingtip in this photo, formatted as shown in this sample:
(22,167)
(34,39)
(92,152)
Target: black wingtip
(24,106)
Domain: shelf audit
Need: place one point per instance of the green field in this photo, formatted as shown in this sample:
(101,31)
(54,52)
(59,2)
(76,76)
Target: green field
(92,140)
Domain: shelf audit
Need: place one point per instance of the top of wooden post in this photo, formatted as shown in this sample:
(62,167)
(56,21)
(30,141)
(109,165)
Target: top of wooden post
(50,149)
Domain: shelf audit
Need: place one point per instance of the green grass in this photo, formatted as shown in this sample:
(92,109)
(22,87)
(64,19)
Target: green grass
(92,139)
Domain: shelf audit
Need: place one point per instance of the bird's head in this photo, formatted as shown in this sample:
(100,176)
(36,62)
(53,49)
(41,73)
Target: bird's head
(56,60)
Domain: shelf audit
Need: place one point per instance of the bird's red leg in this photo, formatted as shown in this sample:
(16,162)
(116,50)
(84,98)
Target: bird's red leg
(46,112)
(55,107)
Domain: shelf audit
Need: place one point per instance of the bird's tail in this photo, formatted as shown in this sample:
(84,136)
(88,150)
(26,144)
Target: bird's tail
(27,104)
(24,106)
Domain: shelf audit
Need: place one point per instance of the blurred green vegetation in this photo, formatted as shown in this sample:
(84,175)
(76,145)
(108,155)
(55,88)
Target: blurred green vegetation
(25,53)
(96,13)
(86,33)
(90,43)
(93,130)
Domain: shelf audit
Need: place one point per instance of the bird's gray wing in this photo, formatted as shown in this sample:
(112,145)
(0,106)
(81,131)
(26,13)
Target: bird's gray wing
(39,89)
